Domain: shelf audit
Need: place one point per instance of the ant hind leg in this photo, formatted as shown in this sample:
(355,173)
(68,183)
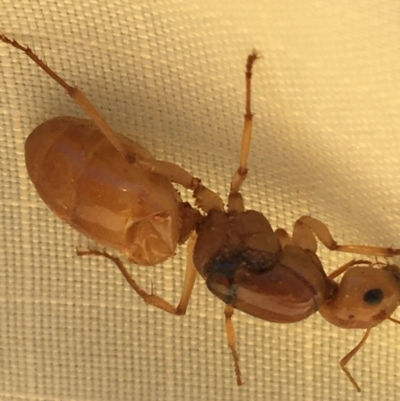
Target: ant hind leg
(235,201)
(151,298)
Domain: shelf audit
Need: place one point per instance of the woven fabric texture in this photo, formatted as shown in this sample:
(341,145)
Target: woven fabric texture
(170,74)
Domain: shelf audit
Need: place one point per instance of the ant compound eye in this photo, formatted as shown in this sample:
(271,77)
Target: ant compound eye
(373,297)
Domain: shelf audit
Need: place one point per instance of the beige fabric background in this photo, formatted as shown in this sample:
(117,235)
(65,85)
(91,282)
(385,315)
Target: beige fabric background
(170,74)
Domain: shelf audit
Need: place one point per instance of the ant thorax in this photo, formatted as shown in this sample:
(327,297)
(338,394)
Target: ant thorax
(244,264)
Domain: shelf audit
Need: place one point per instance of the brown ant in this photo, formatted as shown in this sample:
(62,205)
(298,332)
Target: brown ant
(111,189)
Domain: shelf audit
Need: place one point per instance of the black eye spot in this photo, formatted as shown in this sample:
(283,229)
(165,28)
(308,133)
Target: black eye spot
(373,297)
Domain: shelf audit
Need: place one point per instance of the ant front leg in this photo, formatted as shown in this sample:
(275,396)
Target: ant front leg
(308,226)
(151,298)
(343,269)
(343,362)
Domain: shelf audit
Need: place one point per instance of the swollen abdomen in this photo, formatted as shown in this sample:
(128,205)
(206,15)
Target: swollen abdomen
(87,183)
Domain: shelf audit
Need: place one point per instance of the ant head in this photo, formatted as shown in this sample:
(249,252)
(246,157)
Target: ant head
(365,297)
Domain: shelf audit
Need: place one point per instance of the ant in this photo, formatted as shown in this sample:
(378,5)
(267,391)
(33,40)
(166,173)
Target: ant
(80,167)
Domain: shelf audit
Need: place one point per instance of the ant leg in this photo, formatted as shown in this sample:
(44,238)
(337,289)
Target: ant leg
(283,237)
(151,298)
(346,266)
(205,198)
(303,237)
(346,359)
(76,95)
(235,202)
(190,277)
(323,234)
(231,338)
